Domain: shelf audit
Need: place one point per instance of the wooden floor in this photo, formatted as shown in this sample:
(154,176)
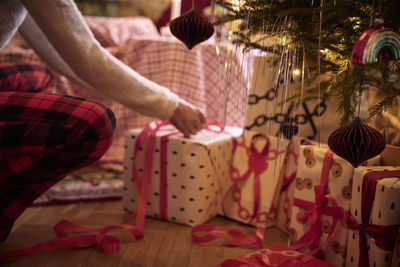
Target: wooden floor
(164,244)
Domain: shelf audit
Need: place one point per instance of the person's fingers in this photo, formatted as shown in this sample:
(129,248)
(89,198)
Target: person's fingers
(186,133)
(197,126)
(188,119)
(193,129)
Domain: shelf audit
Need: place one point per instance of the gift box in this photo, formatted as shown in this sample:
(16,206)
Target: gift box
(375,217)
(187,175)
(323,189)
(256,169)
(276,255)
(396,252)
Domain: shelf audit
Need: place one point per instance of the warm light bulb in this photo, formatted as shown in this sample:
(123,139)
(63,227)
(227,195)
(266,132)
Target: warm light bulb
(296,72)
(237,4)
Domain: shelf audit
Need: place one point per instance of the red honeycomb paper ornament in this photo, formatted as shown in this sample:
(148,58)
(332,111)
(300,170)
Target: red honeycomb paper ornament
(191,28)
(356,142)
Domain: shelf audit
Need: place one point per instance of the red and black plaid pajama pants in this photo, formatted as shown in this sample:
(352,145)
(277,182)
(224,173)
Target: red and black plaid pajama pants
(43,137)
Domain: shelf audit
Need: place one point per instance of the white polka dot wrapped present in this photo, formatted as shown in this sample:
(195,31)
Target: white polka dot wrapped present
(375,216)
(187,174)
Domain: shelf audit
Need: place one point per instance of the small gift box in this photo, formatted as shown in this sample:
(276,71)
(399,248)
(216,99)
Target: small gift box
(375,217)
(187,175)
(322,192)
(256,167)
(276,255)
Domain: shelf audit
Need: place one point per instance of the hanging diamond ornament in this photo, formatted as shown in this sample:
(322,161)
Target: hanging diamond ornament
(191,28)
(356,142)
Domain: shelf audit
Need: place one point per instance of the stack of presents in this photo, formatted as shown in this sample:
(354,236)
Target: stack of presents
(334,214)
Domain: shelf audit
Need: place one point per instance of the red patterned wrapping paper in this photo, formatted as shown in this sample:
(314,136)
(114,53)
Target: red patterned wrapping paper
(375,216)
(275,256)
(256,169)
(322,188)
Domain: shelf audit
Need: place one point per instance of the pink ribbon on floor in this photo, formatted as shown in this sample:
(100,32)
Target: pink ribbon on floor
(318,208)
(272,259)
(210,234)
(103,242)
(384,236)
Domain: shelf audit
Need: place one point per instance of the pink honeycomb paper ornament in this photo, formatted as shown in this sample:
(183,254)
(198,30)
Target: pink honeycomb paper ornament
(191,28)
(356,142)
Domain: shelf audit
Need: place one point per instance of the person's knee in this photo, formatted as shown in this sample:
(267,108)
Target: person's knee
(93,129)
(100,130)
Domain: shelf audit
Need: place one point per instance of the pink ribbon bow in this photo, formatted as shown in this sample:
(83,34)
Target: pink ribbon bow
(317,209)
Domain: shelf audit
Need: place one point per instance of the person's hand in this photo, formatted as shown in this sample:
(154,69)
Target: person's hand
(187,118)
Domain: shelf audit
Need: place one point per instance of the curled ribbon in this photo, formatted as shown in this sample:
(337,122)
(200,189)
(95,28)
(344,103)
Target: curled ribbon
(384,236)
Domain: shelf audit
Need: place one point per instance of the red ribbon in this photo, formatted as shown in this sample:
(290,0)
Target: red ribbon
(210,234)
(273,259)
(384,236)
(258,163)
(318,208)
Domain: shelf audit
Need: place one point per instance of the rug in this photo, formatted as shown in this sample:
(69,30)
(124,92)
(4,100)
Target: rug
(89,184)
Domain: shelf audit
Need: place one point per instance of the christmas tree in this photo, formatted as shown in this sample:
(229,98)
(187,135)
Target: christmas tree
(325,32)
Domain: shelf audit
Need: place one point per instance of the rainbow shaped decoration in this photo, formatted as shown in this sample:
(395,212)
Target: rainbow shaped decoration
(376,43)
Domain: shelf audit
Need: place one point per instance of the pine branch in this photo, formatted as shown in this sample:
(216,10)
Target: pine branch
(342,23)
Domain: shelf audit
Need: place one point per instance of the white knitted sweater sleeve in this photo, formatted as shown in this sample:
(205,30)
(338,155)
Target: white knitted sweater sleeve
(64,27)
